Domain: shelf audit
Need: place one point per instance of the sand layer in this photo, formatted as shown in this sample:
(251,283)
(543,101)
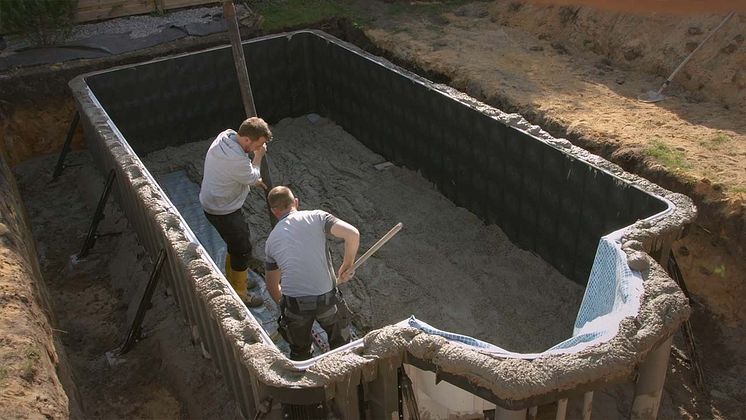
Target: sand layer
(446,266)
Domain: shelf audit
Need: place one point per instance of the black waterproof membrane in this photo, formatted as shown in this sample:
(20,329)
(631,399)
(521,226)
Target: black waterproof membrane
(547,201)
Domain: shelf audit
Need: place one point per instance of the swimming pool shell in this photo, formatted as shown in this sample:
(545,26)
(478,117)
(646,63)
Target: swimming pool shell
(549,197)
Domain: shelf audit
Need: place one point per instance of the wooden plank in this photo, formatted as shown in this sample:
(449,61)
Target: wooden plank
(129,9)
(118,4)
(177,4)
(92,4)
(93,10)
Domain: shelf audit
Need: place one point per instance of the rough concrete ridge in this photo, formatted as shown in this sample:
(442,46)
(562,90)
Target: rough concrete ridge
(663,307)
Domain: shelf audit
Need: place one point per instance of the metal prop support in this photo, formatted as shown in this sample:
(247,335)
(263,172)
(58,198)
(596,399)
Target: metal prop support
(66,147)
(135,330)
(90,239)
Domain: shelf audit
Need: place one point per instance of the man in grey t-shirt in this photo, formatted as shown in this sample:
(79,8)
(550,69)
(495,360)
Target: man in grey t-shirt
(299,274)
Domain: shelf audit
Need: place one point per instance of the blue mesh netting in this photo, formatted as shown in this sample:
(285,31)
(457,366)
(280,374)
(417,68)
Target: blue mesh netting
(613,293)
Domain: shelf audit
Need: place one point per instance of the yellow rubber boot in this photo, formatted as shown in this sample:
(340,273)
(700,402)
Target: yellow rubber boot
(239,281)
(250,284)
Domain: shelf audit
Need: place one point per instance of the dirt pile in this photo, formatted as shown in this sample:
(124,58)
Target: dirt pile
(654,44)
(30,358)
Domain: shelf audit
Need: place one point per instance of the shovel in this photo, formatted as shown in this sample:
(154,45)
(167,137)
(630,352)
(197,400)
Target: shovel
(657,96)
(344,310)
(390,234)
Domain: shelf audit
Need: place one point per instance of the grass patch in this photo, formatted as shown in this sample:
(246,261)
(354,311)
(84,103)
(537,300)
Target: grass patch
(738,189)
(663,153)
(716,142)
(28,369)
(32,353)
(3,372)
(285,14)
(424,8)
(720,270)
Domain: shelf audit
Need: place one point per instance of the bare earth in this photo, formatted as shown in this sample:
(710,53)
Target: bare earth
(577,72)
(574,71)
(95,299)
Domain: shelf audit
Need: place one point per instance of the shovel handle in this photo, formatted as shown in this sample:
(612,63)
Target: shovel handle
(688,57)
(394,230)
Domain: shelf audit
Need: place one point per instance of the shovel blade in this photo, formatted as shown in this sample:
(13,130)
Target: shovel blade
(651,96)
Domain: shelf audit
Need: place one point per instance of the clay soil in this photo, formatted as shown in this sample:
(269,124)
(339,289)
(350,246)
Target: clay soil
(574,71)
(577,72)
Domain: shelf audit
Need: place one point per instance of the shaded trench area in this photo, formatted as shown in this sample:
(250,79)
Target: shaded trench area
(446,267)
(94,300)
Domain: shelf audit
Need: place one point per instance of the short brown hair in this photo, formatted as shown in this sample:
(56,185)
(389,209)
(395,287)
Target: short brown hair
(254,128)
(280,197)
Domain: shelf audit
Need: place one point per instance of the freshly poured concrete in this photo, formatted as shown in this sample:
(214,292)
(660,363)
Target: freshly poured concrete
(445,267)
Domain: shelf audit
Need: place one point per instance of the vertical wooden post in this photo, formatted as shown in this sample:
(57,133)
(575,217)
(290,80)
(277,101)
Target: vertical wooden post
(229,12)
(505,414)
(347,400)
(650,380)
(587,405)
(561,409)
(383,401)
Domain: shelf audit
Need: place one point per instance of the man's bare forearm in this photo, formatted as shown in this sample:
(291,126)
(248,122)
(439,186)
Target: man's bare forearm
(351,236)
(273,284)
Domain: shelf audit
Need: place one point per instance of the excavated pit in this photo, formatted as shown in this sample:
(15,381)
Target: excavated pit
(552,201)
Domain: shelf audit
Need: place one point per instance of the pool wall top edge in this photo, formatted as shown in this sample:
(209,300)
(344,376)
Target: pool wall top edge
(117,127)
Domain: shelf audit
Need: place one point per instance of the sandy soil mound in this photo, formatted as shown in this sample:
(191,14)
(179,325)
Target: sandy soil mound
(29,355)
(650,43)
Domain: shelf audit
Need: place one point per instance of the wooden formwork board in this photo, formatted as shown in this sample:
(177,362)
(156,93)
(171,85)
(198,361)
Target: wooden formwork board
(93,10)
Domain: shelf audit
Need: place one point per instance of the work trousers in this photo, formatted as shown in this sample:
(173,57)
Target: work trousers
(234,229)
(297,319)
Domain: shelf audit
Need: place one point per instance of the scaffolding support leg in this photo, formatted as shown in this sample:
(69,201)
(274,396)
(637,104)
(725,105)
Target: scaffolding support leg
(649,386)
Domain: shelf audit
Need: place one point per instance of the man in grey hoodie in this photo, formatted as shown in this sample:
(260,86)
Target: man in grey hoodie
(225,185)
